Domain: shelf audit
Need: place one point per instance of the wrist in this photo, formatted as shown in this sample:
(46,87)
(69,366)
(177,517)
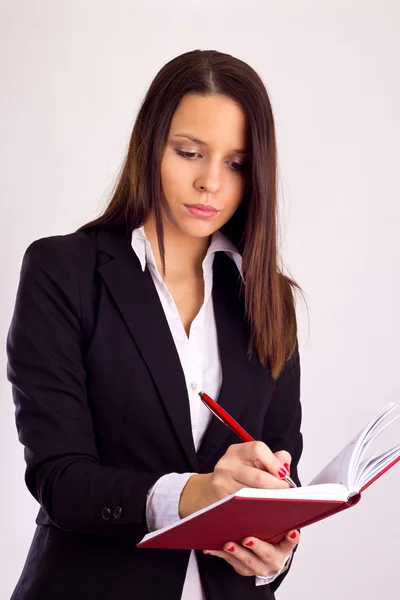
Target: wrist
(196,494)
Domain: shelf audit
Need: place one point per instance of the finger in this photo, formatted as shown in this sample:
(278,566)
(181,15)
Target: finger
(250,560)
(258,451)
(290,541)
(284,457)
(244,561)
(269,554)
(248,476)
(232,560)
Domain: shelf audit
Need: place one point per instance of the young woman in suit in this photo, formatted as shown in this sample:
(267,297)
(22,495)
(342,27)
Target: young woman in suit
(117,326)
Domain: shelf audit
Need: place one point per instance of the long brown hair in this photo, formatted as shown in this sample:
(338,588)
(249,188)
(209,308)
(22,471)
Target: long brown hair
(268,293)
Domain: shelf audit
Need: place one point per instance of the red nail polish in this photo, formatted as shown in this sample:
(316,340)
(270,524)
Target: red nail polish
(286,465)
(231,549)
(282,473)
(249,543)
(293,535)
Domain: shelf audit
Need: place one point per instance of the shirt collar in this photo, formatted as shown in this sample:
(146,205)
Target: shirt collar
(219,243)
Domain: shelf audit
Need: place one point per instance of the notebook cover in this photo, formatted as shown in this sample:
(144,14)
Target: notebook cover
(268,519)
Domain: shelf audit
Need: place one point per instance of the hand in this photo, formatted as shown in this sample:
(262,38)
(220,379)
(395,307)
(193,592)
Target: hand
(255,557)
(250,464)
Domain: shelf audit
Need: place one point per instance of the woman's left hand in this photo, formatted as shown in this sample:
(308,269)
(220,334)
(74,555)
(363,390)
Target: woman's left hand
(255,557)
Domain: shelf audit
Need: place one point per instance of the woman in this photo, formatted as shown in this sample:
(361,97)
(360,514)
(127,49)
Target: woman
(119,325)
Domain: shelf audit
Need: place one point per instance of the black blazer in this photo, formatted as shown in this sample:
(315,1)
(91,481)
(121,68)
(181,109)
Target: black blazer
(102,411)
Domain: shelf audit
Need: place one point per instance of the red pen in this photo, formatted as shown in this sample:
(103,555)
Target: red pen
(230,422)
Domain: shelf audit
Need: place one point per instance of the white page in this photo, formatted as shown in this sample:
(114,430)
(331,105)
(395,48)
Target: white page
(343,467)
(326,491)
(374,429)
(374,465)
(337,471)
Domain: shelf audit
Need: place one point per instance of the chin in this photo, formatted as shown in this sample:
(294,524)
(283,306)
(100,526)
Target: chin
(203,228)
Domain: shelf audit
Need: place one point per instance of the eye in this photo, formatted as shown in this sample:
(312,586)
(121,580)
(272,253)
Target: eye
(235,166)
(188,155)
(240,166)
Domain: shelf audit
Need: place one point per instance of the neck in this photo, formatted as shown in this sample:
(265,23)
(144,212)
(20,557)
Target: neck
(183,254)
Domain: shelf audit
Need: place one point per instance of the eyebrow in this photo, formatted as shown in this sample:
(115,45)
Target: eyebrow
(201,143)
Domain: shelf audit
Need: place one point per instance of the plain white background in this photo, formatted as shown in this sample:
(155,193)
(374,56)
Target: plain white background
(73,73)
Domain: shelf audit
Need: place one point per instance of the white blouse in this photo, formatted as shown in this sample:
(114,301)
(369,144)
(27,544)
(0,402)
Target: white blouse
(199,356)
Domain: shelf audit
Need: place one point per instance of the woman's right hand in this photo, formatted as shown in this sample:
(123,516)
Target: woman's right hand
(250,464)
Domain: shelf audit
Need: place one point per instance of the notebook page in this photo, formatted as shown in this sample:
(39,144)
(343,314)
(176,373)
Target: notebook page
(374,465)
(324,491)
(337,471)
(375,428)
(342,468)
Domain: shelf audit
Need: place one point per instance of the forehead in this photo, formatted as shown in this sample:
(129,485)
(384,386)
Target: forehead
(214,120)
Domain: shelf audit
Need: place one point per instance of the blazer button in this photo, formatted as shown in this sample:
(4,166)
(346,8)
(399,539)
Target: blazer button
(106,513)
(117,512)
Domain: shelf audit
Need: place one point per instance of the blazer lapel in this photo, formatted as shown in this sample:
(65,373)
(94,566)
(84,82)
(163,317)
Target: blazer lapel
(233,339)
(138,302)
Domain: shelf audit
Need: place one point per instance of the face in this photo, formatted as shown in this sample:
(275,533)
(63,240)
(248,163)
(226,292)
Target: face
(211,169)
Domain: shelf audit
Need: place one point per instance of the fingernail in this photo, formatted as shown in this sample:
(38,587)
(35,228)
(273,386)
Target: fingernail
(282,473)
(231,549)
(293,535)
(286,465)
(250,543)
(206,552)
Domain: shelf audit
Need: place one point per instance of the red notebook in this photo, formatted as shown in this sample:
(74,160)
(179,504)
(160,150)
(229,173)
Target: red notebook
(269,514)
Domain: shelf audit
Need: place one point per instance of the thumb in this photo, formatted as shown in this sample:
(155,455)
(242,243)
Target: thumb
(285,458)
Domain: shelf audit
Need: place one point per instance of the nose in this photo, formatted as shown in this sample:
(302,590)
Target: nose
(209,179)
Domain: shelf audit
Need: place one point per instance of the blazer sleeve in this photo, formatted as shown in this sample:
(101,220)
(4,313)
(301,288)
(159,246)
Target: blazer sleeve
(53,417)
(282,424)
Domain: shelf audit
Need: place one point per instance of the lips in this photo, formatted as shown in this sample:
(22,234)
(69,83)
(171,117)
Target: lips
(202,210)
